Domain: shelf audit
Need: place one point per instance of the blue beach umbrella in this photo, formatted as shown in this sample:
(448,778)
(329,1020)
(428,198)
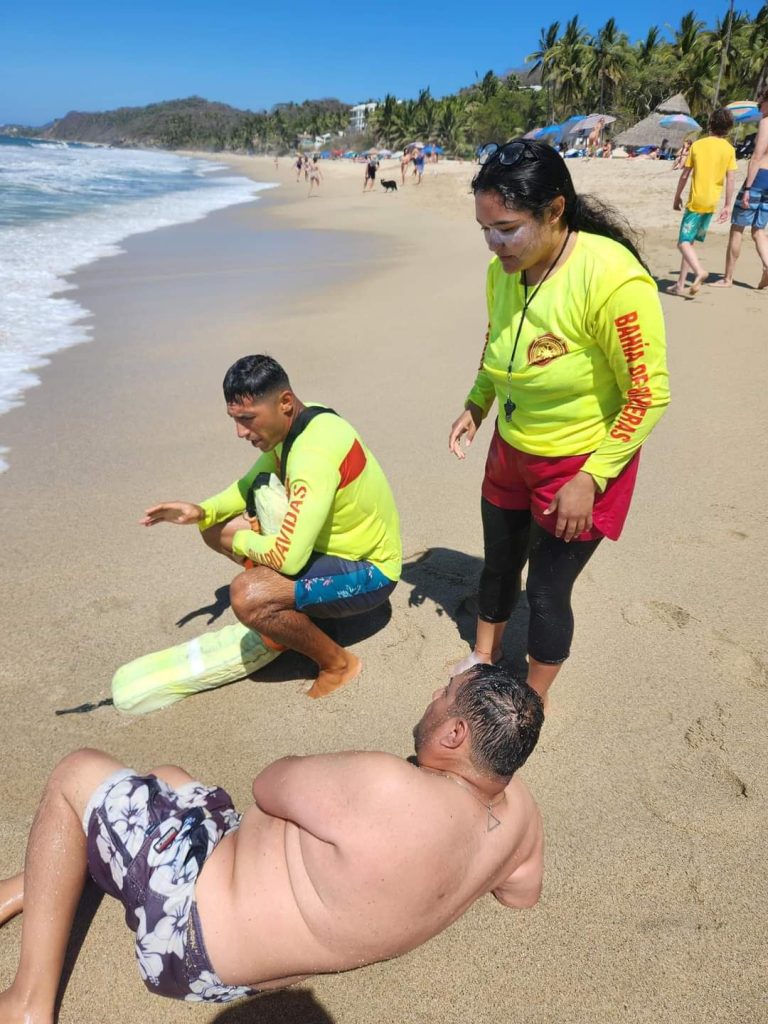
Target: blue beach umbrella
(433,149)
(746,116)
(550,129)
(679,121)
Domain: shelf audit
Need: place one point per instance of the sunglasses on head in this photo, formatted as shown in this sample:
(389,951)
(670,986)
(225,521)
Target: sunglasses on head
(509,154)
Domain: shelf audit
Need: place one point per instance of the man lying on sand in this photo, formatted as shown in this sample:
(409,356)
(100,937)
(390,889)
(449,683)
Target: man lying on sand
(338,550)
(343,859)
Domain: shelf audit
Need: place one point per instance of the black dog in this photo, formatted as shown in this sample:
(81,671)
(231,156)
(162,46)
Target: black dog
(390,186)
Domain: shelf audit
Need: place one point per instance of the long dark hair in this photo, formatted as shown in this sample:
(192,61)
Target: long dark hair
(539,177)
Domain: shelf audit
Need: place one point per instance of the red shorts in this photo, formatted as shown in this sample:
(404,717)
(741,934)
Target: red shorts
(516,480)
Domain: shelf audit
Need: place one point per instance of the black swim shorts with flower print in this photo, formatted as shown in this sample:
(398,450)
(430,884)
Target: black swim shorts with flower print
(147,843)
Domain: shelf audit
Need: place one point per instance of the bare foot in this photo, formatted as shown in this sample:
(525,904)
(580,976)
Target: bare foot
(474,657)
(764,279)
(722,283)
(697,283)
(329,681)
(674,290)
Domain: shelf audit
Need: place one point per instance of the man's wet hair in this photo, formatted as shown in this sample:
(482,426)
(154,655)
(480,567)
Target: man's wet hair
(504,716)
(720,121)
(254,377)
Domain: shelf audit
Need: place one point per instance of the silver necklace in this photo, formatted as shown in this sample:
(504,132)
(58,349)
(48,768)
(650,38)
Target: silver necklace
(493,821)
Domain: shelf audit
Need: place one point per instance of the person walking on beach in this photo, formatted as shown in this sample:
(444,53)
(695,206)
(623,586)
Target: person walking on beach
(575,360)
(338,550)
(341,861)
(751,207)
(315,176)
(682,156)
(404,161)
(371,166)
(418,165)
(710,161)
(299,167)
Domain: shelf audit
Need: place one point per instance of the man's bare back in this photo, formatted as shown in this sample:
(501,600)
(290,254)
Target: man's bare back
(383,856)
(343,860)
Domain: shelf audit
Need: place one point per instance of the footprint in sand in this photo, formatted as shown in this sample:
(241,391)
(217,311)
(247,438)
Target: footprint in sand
(736,665)
(699,790)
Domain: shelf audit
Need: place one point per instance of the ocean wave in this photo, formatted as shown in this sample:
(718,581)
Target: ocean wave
(37,317)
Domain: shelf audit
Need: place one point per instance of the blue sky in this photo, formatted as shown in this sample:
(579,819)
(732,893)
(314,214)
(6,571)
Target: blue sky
(87,55)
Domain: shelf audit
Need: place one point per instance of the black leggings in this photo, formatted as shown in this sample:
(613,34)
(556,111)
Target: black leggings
(511,538)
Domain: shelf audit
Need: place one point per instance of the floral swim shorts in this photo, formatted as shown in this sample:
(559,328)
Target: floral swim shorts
(147,843)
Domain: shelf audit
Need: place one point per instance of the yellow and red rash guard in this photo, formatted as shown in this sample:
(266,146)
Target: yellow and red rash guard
(590,371)
(339,504)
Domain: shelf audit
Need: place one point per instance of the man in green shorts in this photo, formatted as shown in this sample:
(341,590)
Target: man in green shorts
(712,161)
(337,551)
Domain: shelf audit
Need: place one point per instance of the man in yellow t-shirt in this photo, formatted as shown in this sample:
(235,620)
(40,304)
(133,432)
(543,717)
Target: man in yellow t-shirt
(337,551)
(712,161)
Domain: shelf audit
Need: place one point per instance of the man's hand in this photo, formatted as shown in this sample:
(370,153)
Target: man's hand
(183,513)
(677,203)
(573,505)
(745,198)
(723,215)
(465,426)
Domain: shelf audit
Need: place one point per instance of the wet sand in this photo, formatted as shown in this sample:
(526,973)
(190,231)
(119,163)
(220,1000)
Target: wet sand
(650,770)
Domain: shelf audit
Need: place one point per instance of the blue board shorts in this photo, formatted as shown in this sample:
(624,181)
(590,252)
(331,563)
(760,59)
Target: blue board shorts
(756,214)
(694,226)
(147,843)
(334,588)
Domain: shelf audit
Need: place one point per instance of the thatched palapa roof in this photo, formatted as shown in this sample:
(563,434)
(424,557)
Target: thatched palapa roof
(649,132)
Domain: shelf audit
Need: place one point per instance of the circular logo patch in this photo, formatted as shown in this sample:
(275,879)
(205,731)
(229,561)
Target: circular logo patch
(544,349)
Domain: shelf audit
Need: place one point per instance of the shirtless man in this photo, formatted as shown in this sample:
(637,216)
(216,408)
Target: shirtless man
(343,859)
(751,207)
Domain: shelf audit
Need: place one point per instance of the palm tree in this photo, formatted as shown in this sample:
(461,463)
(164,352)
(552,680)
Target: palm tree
(452,123)
(543,58)
(567,66)
(383,119)
(606,60)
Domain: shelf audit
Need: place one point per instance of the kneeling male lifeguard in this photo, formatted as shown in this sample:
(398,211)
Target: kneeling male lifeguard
(343,860)
(338,551)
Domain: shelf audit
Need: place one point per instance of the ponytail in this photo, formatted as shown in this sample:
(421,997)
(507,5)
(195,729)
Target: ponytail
(590,214)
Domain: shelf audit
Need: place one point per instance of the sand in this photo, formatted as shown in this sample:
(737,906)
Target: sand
(650,770)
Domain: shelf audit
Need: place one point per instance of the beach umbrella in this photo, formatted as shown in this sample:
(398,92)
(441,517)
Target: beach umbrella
(414,145)
(741,107)
(533,134)
(746,116)
(433,149)
(586,124)
(679,121)
(550,129)
(385,152)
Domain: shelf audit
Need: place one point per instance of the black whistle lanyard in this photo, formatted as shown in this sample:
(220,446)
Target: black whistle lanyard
(509,405)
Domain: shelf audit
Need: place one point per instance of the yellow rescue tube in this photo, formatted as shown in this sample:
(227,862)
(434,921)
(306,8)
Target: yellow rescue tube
(156,680)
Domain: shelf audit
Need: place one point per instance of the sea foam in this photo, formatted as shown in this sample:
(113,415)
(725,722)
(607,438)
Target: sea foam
(63,209)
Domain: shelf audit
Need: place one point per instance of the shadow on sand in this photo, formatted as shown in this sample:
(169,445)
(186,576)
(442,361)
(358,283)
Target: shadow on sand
(448,580)
(287,1007)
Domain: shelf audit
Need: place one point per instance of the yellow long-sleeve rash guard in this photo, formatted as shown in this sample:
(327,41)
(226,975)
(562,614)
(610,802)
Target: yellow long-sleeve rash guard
(590,372)
(340,503)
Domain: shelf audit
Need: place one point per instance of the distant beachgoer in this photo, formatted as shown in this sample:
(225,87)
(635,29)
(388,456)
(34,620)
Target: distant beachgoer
(276,164)
(682,156)
(404,161)
(575,362)
(338,550)
(371,167)
(418,165)
(315,176)
(595,137)
(710,161)
(341,861)
(751,207)
(607,150)
(299,167)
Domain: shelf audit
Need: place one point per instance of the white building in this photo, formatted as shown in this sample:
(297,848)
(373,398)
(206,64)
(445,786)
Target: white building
(358,116)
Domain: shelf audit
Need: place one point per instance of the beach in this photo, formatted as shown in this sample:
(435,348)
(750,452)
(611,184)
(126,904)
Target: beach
(650,769)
